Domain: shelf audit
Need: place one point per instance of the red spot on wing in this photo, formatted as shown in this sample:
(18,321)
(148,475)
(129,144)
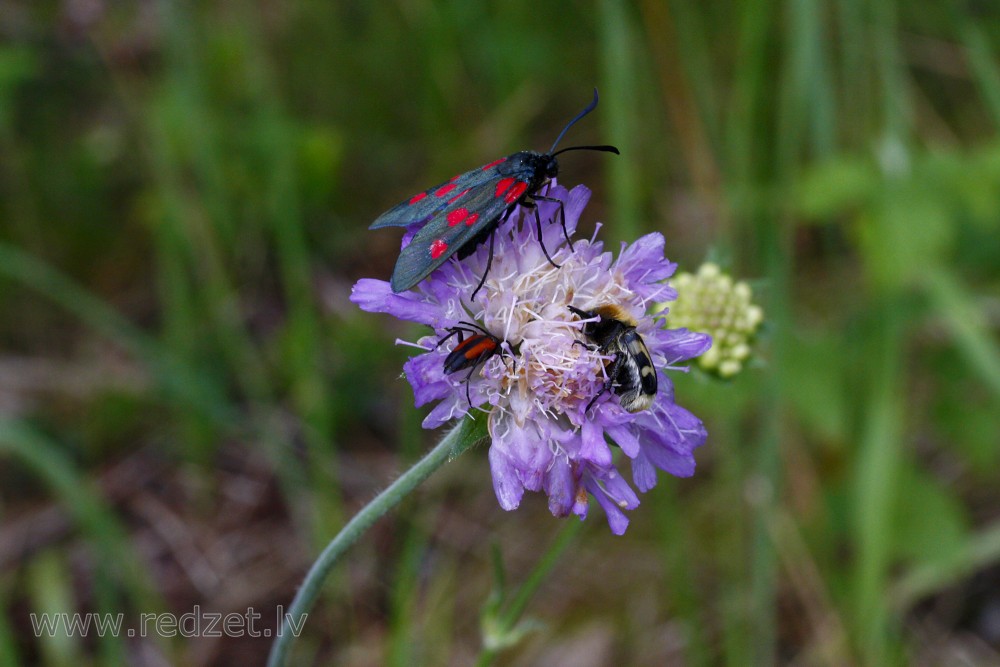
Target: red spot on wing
(415,198)
(493,164)
(444,189)
(471,220)
(454,178)
(438,248)
(457,216)
(515,192)
(458,196)
(503,186)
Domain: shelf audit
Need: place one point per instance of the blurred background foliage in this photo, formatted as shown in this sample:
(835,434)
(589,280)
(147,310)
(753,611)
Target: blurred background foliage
(190,407)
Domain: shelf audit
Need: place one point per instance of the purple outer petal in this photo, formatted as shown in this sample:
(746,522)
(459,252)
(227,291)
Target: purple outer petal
(376,296)
(411,231)
(644,265)
(594,448)
(425,373)
(643,473)
(624,437)
(450,408)
(678,465)
(619,488)
(677,344)
(506,485)
(560,487)
(617,520)
(525,447)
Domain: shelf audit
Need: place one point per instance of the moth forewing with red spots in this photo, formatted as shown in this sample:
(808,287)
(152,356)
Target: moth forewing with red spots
(461,213)
(425,205)
(631,374)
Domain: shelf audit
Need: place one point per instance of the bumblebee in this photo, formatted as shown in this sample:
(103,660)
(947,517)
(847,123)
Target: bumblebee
(471,352)
(631,374)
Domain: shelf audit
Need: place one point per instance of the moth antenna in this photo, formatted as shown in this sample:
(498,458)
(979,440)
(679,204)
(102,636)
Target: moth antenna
(606,149)
(590,107)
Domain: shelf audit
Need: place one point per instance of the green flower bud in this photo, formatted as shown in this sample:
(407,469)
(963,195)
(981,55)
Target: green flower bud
(711,301)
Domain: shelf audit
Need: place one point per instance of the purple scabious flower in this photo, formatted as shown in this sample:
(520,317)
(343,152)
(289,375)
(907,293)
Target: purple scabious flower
(536,394)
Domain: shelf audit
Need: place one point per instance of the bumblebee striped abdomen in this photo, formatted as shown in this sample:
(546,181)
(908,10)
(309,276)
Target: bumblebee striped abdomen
(631,374)
(636,376)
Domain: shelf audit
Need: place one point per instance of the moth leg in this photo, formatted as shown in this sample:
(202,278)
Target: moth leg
(562,215)
(538,225)
(489,263)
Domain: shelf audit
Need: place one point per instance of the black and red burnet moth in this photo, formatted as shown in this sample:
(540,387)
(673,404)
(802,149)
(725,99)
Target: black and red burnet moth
(463,212)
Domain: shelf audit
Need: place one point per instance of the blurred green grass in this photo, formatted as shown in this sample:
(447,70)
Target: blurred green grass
(184,196)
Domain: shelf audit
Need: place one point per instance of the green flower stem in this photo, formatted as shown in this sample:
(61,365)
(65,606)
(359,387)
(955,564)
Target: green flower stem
(455,442)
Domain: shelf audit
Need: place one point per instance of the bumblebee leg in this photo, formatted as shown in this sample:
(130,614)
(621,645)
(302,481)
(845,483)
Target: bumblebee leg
(612,373)
(607,385)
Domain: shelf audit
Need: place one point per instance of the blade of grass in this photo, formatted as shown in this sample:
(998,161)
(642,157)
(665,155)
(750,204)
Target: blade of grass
(183,141)
(980,57)
(979,552)
(880,454)
(681,562)
(748,621)
(696,58)
(828,643)
(507,620)
(874,479)
(308,373)
(196,391)
(617,37)
(679,99)
(116,561)
(968,326)
(854,76)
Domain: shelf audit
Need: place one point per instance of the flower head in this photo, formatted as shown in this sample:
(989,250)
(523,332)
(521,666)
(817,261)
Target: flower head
(550,404)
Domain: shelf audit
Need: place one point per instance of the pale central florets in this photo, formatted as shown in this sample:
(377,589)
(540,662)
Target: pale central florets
(553,371)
